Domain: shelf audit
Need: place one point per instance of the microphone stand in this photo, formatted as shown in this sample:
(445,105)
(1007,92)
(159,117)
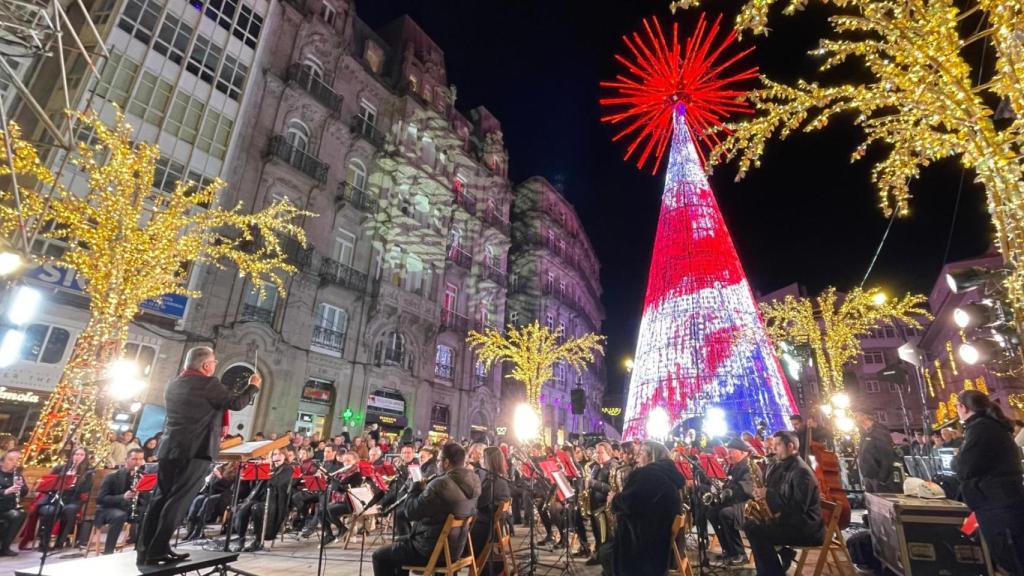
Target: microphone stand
(700,522)
(355,518)
(321,561)
(59,503)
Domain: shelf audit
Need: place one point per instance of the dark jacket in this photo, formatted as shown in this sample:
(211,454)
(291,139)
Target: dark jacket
(112,490)
(494,491)
(600,483)
(740,486)
(278,486)
(989,465)
(876,455)
(792,493)
(10,501)
(195,411)
(645,510)
(455,492)
(83,483)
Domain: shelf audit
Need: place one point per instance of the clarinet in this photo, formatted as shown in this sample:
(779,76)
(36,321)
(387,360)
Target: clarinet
(135,477)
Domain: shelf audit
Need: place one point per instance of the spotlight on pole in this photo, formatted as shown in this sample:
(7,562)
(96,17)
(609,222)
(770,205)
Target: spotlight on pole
(124,380)
(525,422)
(715,425)
(23,305)
(658,423)
(977,314)
(10,347)
(979,351)
(967,279)
(10,262)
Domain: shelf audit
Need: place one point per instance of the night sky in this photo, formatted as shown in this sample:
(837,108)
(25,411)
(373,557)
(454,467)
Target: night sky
(806,216)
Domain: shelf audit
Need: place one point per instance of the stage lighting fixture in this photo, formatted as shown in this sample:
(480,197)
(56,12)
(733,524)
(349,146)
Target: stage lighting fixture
(23,305)
(124,380)
(10,347)
(658,424)
(976,314)
(967,279)
(715,425)
(10,262)
(526,422)
(979,351)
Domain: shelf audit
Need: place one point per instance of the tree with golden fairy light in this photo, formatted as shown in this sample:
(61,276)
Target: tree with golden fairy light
(533,350)
(833,324)
(129,243)
(922,101)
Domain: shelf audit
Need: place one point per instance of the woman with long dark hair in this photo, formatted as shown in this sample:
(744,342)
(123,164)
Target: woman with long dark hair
(991,478)
(149,449)
(494,492)
(72,498)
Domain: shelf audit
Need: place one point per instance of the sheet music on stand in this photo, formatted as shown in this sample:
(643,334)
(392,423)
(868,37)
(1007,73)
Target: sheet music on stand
(358,496)
(248,450)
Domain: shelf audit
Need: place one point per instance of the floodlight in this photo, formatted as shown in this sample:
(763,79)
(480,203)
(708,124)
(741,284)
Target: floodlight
(967,279)
(526,422)
(10,262)
(125,382)
(979,351)
(23,305)
(658,424)
(10,347)
(715,425)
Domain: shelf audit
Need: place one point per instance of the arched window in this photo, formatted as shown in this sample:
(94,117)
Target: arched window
(444,362)
(297,135)
(355,175)
(455,238)
(391,349)
(313,67)
(490,258)
(329,14)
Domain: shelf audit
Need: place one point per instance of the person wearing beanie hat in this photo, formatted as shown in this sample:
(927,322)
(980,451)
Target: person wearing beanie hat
(727,515)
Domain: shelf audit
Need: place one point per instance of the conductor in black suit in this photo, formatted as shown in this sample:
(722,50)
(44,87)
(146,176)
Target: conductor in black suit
(195,401)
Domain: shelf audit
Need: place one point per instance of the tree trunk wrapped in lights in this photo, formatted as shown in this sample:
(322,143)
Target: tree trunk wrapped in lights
(923,101)
(533,351)
(832,325)
(130,244)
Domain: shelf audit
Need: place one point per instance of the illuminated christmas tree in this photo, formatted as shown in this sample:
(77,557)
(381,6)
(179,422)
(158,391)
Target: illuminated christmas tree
(702,342)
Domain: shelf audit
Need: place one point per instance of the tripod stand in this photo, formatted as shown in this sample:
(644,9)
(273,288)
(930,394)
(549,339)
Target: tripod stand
(700,519)
(58,512)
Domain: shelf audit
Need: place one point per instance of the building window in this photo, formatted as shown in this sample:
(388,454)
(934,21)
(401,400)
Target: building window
(167,174)
(874,358)
(893,387)
(355,175)
(183,120)
(455,237)
(259,304)
(45,344)
(173,39)
(332,318)
(232,77)
(549,321)
(871,386)
(374,56)
(329,14)
(297,135)
(513,318)
(203,59)
(139,19)
(221,11)
(344,246)
(444,364)
(391,349)
(414,274)
(881,416)
(115,82)
(890,332)
(151,98)
(368,116)
(143,355)
(248,27)
(561,288)
(550,282)
(216,134)
(489,258)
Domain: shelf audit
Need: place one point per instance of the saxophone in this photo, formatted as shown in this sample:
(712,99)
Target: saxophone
(584,499)
(755,510)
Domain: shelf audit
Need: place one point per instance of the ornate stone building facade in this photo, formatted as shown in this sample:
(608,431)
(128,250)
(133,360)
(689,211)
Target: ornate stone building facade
(555,281)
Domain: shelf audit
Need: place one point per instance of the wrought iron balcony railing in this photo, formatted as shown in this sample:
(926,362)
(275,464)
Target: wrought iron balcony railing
(307,164)
(357,198)
(453,321)
(366,129)
(495,220)
(254,313)
(466,200)
(495,275)
(460,257)
(343,275)
(328,338)
(315,86)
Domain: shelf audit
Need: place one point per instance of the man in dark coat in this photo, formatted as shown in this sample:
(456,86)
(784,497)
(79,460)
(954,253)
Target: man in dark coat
(645,510)
(395,490)
(875,455)
(791,491)
(454,492)
(727,516)
(12,489)
(195,401)
(114,502)
(600,488)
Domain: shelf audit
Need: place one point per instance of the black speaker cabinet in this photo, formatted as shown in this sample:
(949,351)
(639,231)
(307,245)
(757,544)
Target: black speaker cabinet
(919,537)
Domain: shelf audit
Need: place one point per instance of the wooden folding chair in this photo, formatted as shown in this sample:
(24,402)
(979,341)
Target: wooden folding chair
(832,546)
(444,544)
(502,542)
(680,563)
(98,540)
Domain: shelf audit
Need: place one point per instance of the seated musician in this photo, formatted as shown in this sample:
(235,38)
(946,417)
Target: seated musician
(79,466)
(454,492)
(428,461)
(12,489)
(791,492)
(727,515)
(114,502)
(494,492)
(212,501)
(395,489)
(274,491)
(306,502)
(342,480)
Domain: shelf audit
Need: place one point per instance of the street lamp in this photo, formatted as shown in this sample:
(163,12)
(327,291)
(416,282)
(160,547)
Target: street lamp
(627,364)
(879,298)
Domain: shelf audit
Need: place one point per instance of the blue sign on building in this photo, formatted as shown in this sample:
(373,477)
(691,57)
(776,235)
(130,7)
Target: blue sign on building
(61,278)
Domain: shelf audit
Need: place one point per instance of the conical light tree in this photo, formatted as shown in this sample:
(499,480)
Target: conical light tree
(702,344)
(130,244)
(533,351)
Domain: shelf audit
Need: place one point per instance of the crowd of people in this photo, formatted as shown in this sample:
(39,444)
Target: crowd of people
(607,503)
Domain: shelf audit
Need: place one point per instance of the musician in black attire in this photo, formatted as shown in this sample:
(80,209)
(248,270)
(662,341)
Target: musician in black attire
(397,487)
(992,481)
(494,492)
(428,461)
(274,492)
(454,492)
(791,491)
(12,489)
(212,501)
(114,502)
(727,515)
(600,487)
(342,480)
(79,466)
(195,401)
(305,502)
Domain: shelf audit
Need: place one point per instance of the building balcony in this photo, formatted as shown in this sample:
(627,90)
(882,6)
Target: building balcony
(482,326)
(307,164)
(495,275)
(299,5)
(460,257)
(358,199)
(452,321)
(495,220)
(466,201)
(254,313)
(444,371)
(334,272)
(328,341)
(366,130)
(315,86)
(392,356)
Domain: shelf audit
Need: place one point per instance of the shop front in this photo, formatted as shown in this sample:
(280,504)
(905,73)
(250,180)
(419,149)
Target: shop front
(314,406)
(439,424)
(386,409)
(19,410)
